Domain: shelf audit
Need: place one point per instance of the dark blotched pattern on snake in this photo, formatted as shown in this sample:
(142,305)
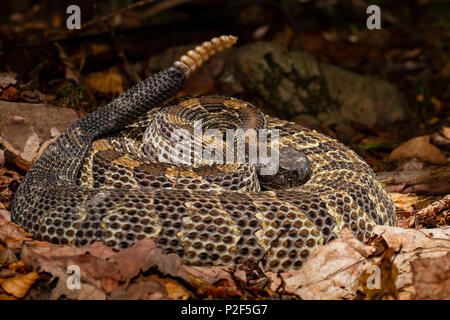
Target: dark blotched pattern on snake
(100,182)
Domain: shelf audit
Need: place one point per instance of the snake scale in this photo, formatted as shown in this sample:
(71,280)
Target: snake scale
(102,180)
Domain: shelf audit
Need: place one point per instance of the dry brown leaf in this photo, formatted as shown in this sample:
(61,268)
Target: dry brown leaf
(11,94)
(12,235)
(409,54)
(220,278)
(5,215)
(4,296)
(210,274)
(408,240)
(431,278)
(6,273)
(174,289)
(144,255)
(141,290)
(20,284)
(405,204)
(388,274)
(336,270)
(405,201)
(7,256)
(409,245)
(102,269)
(420,148)
(108,81)
(55,259)
(445,131)
(435,215)
(332,271)
(33,251)
(445,72)
(19,266)
(86,291)
(100,250)
(71,72)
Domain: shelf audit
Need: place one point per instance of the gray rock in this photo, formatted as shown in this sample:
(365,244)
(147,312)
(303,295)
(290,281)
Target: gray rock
(297,84)
(364,99)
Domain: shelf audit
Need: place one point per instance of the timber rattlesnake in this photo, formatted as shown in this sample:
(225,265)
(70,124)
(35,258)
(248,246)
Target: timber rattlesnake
(99,182)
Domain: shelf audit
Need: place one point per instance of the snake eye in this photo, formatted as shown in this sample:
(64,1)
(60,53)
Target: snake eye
(294,169)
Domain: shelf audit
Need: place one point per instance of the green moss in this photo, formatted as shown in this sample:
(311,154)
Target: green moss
(72,94)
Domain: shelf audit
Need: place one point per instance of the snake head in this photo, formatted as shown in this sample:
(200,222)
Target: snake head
(294,169)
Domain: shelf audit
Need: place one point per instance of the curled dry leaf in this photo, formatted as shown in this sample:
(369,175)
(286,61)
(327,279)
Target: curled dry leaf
(103,271)
(12,235)
(332,271)
(408,240)
(19,285)
(342,268)
(409,245)
(55,259)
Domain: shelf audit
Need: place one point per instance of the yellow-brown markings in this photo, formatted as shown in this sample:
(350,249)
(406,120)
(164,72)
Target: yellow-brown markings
(173,173)
(234,104)
(189,103)
(101,145)
(127,161)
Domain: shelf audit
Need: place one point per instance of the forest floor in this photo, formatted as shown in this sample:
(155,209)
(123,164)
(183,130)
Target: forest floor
(51,78)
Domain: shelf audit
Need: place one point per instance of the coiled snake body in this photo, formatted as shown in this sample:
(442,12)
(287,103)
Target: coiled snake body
(99,182)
